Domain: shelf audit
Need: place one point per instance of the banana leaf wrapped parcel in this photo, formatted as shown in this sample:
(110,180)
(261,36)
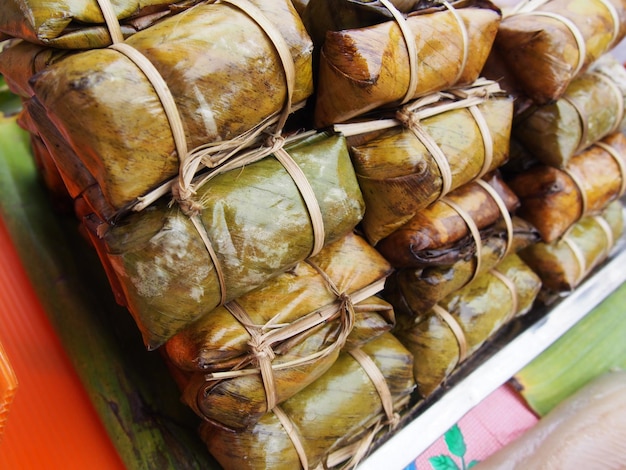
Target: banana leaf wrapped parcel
(553,199)
(418,289)
(564,263)
(406,162)
(358,396)
(451,228)
(175,263)
(396,60)
(547,43)
(221,86)
(591,108)
(265,346)
(441,338)
(240,397)
(79,24)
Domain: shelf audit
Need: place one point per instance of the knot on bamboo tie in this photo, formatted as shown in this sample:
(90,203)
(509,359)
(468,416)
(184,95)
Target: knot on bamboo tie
(184,196)
(275,141)
(407,117)
(261,349)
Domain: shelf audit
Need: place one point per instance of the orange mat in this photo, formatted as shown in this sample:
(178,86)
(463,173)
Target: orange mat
(51,422)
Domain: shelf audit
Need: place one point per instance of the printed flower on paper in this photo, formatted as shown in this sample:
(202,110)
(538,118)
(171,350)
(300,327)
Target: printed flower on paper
(456,446)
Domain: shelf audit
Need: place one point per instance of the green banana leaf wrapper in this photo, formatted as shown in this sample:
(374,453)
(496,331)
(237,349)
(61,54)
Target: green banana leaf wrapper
(416,290)
(553,199)
(239,398)
(397,172)
(366,68)
(480,309)
(590,109)
(543,53)
(223,86)
(256,221)
(337,408)
(439,236)
(563,264)
(79,24)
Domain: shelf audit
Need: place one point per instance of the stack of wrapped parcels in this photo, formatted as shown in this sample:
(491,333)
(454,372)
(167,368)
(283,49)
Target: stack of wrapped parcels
(318,210)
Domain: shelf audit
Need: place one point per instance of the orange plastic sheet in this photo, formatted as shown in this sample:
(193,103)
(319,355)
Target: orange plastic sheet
(51,423)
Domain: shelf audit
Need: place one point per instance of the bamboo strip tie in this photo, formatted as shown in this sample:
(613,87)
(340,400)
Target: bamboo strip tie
(293,435)
(411,121)
(410,45)
(619,160)
(579,256)
(510,285)
(608,233)
(584,204)
(456,329)
(474,231)
(503,211)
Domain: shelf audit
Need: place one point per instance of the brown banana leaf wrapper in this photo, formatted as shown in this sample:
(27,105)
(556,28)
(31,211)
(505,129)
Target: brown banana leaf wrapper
(219,341)
(256,222)
(20,60)
(340,406)
(553,199)
(417,290)
(399,175)
(591,108)
(321,16)
(78,182)
(46,169)
(543,52)
(222,85)
(79,24)
(563,264)
(238,398)
(367,68)
(439,235)
(479,309)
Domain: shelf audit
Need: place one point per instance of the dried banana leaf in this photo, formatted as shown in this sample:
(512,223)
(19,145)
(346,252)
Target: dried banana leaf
(79,24)
(396,168)
(591,108)
(563,264)
(326,415)
(367,68)
(439,235)
(238,398)
(222,86)
(545,48)
(417,290)
(479,310)
(256,221)
(554,199)
(313,288)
